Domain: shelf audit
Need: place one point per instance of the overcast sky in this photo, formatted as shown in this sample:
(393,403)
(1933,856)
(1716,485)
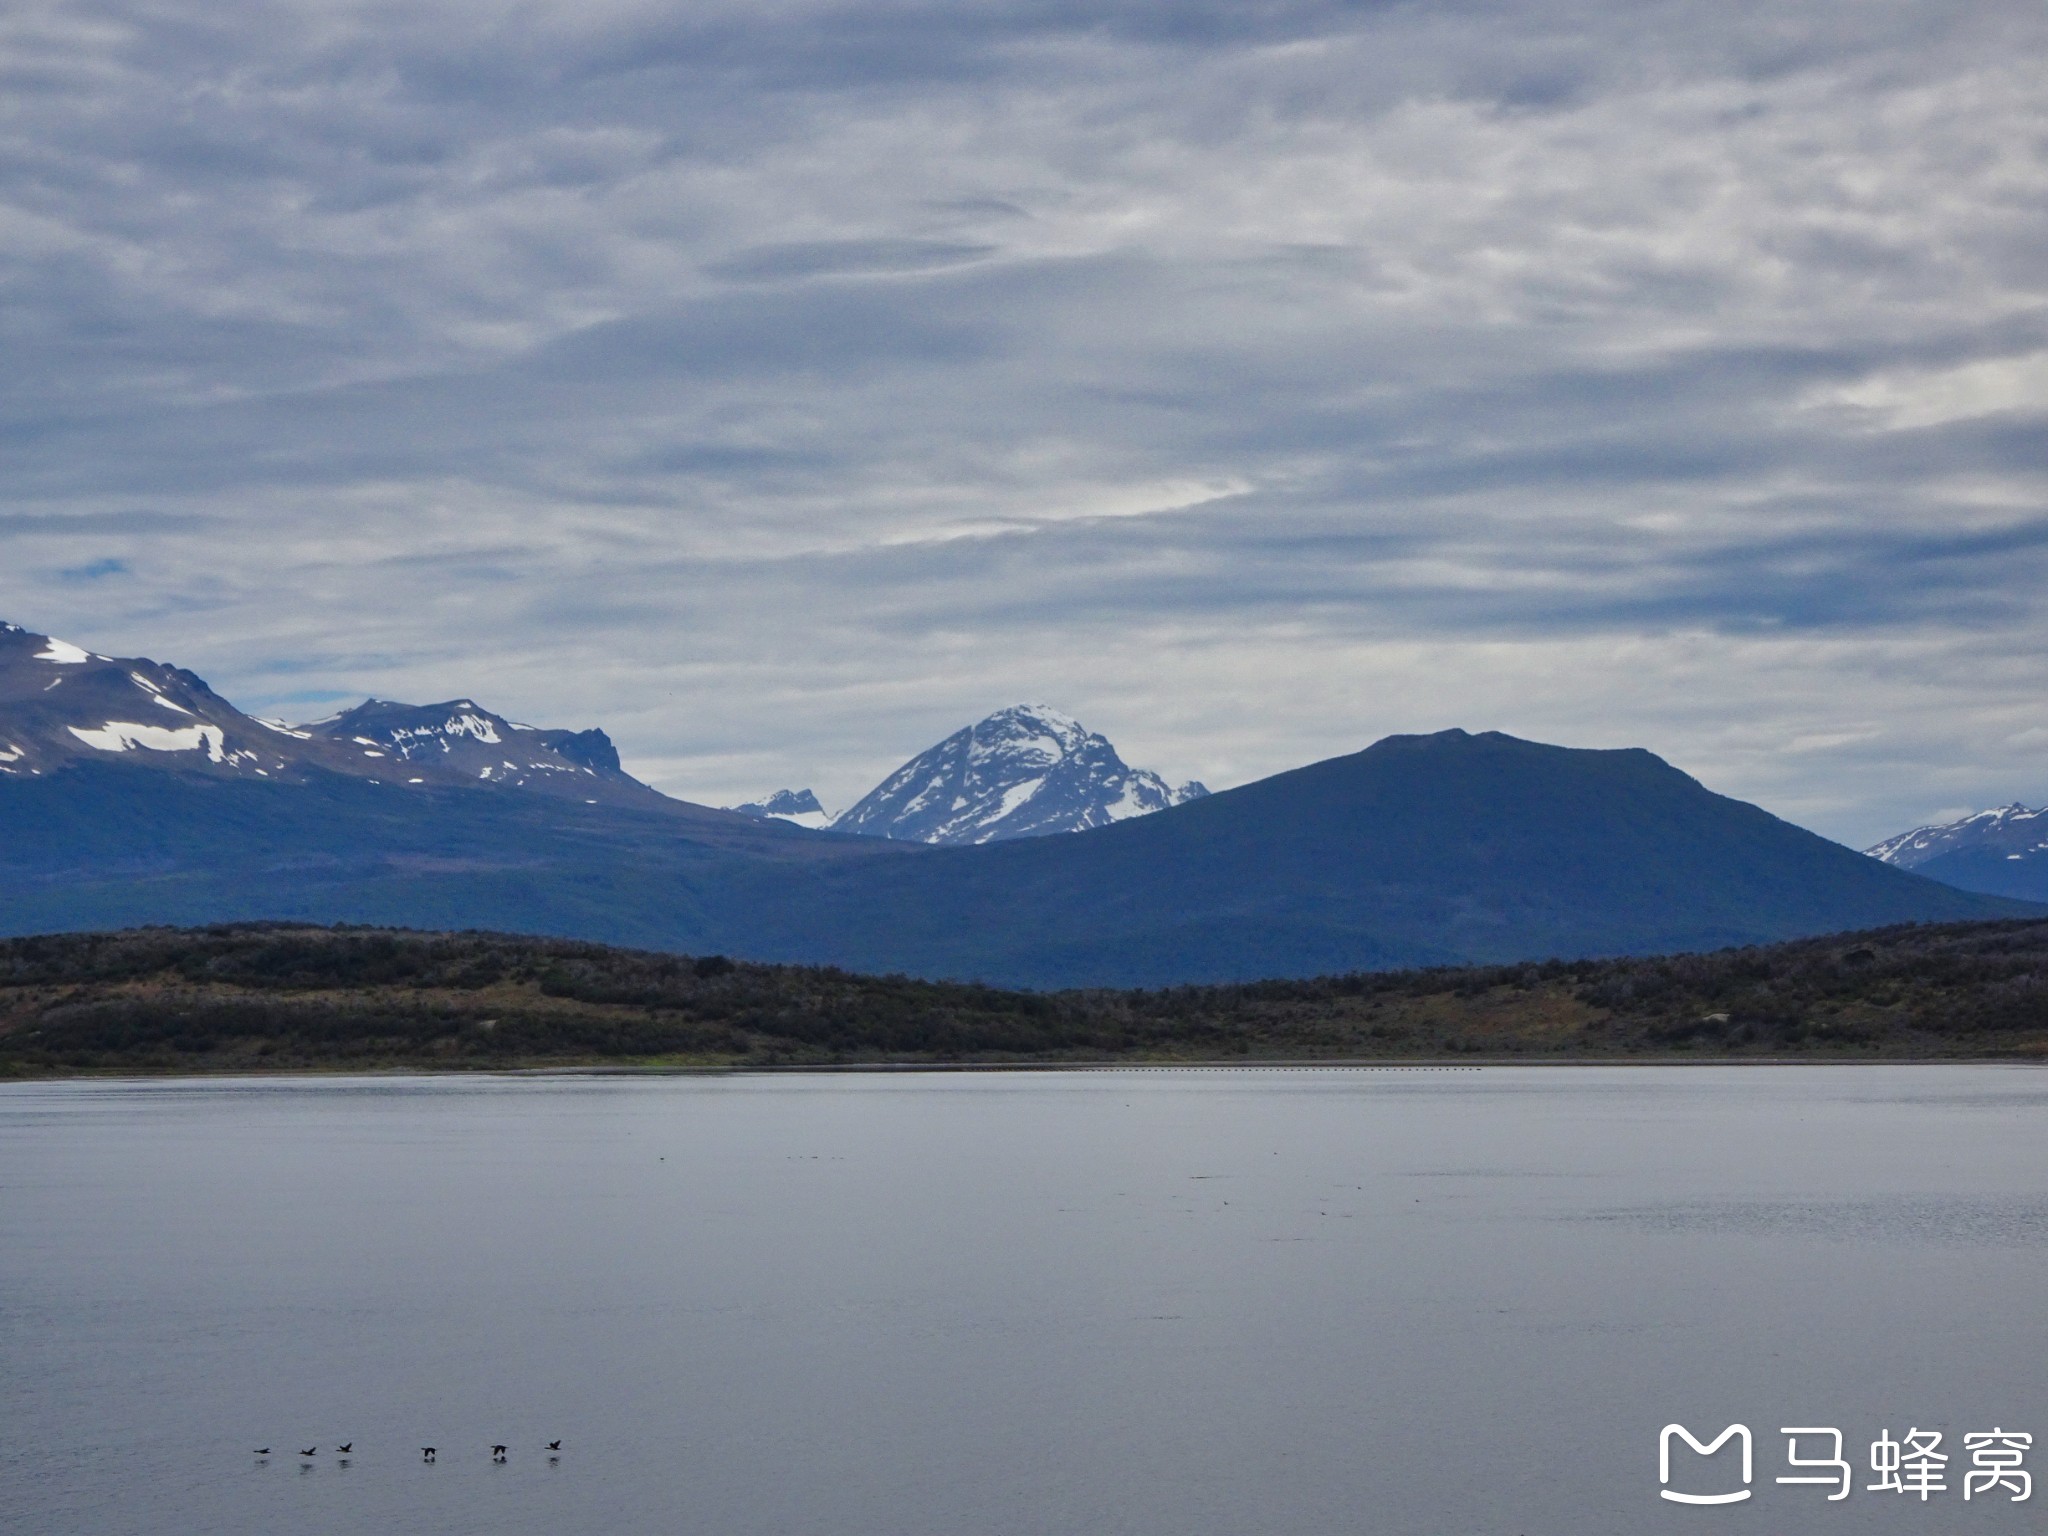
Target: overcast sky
(783,385)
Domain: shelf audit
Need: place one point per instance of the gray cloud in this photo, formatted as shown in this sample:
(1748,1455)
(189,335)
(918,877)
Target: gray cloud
(833,258)
(782,385)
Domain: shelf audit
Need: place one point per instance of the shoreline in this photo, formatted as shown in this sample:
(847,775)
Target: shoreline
(899,1069)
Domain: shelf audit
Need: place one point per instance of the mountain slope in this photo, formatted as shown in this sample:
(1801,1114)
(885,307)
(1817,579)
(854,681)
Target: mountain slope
(115,844)
(2002,852)
(61,704)
(1026,771)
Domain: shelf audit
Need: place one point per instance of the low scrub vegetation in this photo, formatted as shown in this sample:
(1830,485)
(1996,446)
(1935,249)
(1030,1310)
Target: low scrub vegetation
(270,997)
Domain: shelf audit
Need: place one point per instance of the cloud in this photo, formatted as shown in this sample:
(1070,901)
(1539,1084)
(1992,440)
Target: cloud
(837,258)
(94,570)
(781,385)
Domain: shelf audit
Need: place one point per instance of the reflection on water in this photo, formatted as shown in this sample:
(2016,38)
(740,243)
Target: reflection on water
(1135,1302)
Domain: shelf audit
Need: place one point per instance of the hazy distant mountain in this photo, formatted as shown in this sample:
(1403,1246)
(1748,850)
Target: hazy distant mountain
(799,807)
(2002,852)
(61,705)
(1025,771)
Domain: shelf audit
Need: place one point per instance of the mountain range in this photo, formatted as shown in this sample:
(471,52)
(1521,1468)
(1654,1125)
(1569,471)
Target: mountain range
(61,705)
(117,810)
(1025,771)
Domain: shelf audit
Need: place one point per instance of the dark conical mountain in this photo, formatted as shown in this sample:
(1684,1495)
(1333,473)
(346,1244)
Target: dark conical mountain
(1418,850)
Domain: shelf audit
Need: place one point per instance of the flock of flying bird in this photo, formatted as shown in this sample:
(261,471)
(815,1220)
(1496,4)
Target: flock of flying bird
(427,1452)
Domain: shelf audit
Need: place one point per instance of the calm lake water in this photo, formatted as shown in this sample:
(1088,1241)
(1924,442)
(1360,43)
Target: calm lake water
(1182,1302)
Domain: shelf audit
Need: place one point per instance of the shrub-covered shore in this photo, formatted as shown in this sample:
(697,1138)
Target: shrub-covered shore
(271,997)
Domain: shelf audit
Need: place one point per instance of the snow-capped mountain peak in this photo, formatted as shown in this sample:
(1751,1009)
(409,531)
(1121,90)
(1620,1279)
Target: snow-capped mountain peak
(2013,829)
(1025,771)
(797,806)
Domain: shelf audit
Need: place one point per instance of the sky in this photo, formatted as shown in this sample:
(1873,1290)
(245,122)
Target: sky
(781,385)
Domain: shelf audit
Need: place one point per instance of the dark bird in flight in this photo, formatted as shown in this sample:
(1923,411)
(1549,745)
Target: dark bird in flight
(426,1453)
(497,1453)
(264,1452)
(310,1450)
(554,1445)
(343,1450)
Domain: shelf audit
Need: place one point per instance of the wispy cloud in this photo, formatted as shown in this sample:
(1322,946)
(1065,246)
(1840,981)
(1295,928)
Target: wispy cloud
(835,258)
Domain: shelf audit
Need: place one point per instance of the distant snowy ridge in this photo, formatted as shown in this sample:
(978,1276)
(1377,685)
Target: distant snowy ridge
(2015,830)
(462,737)
(1026,771)
(798,806)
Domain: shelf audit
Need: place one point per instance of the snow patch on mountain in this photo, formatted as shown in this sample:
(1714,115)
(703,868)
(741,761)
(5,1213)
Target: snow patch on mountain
(1027,771)
(120,735)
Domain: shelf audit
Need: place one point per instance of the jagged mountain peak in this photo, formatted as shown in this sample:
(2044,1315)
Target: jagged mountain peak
(1025,771)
